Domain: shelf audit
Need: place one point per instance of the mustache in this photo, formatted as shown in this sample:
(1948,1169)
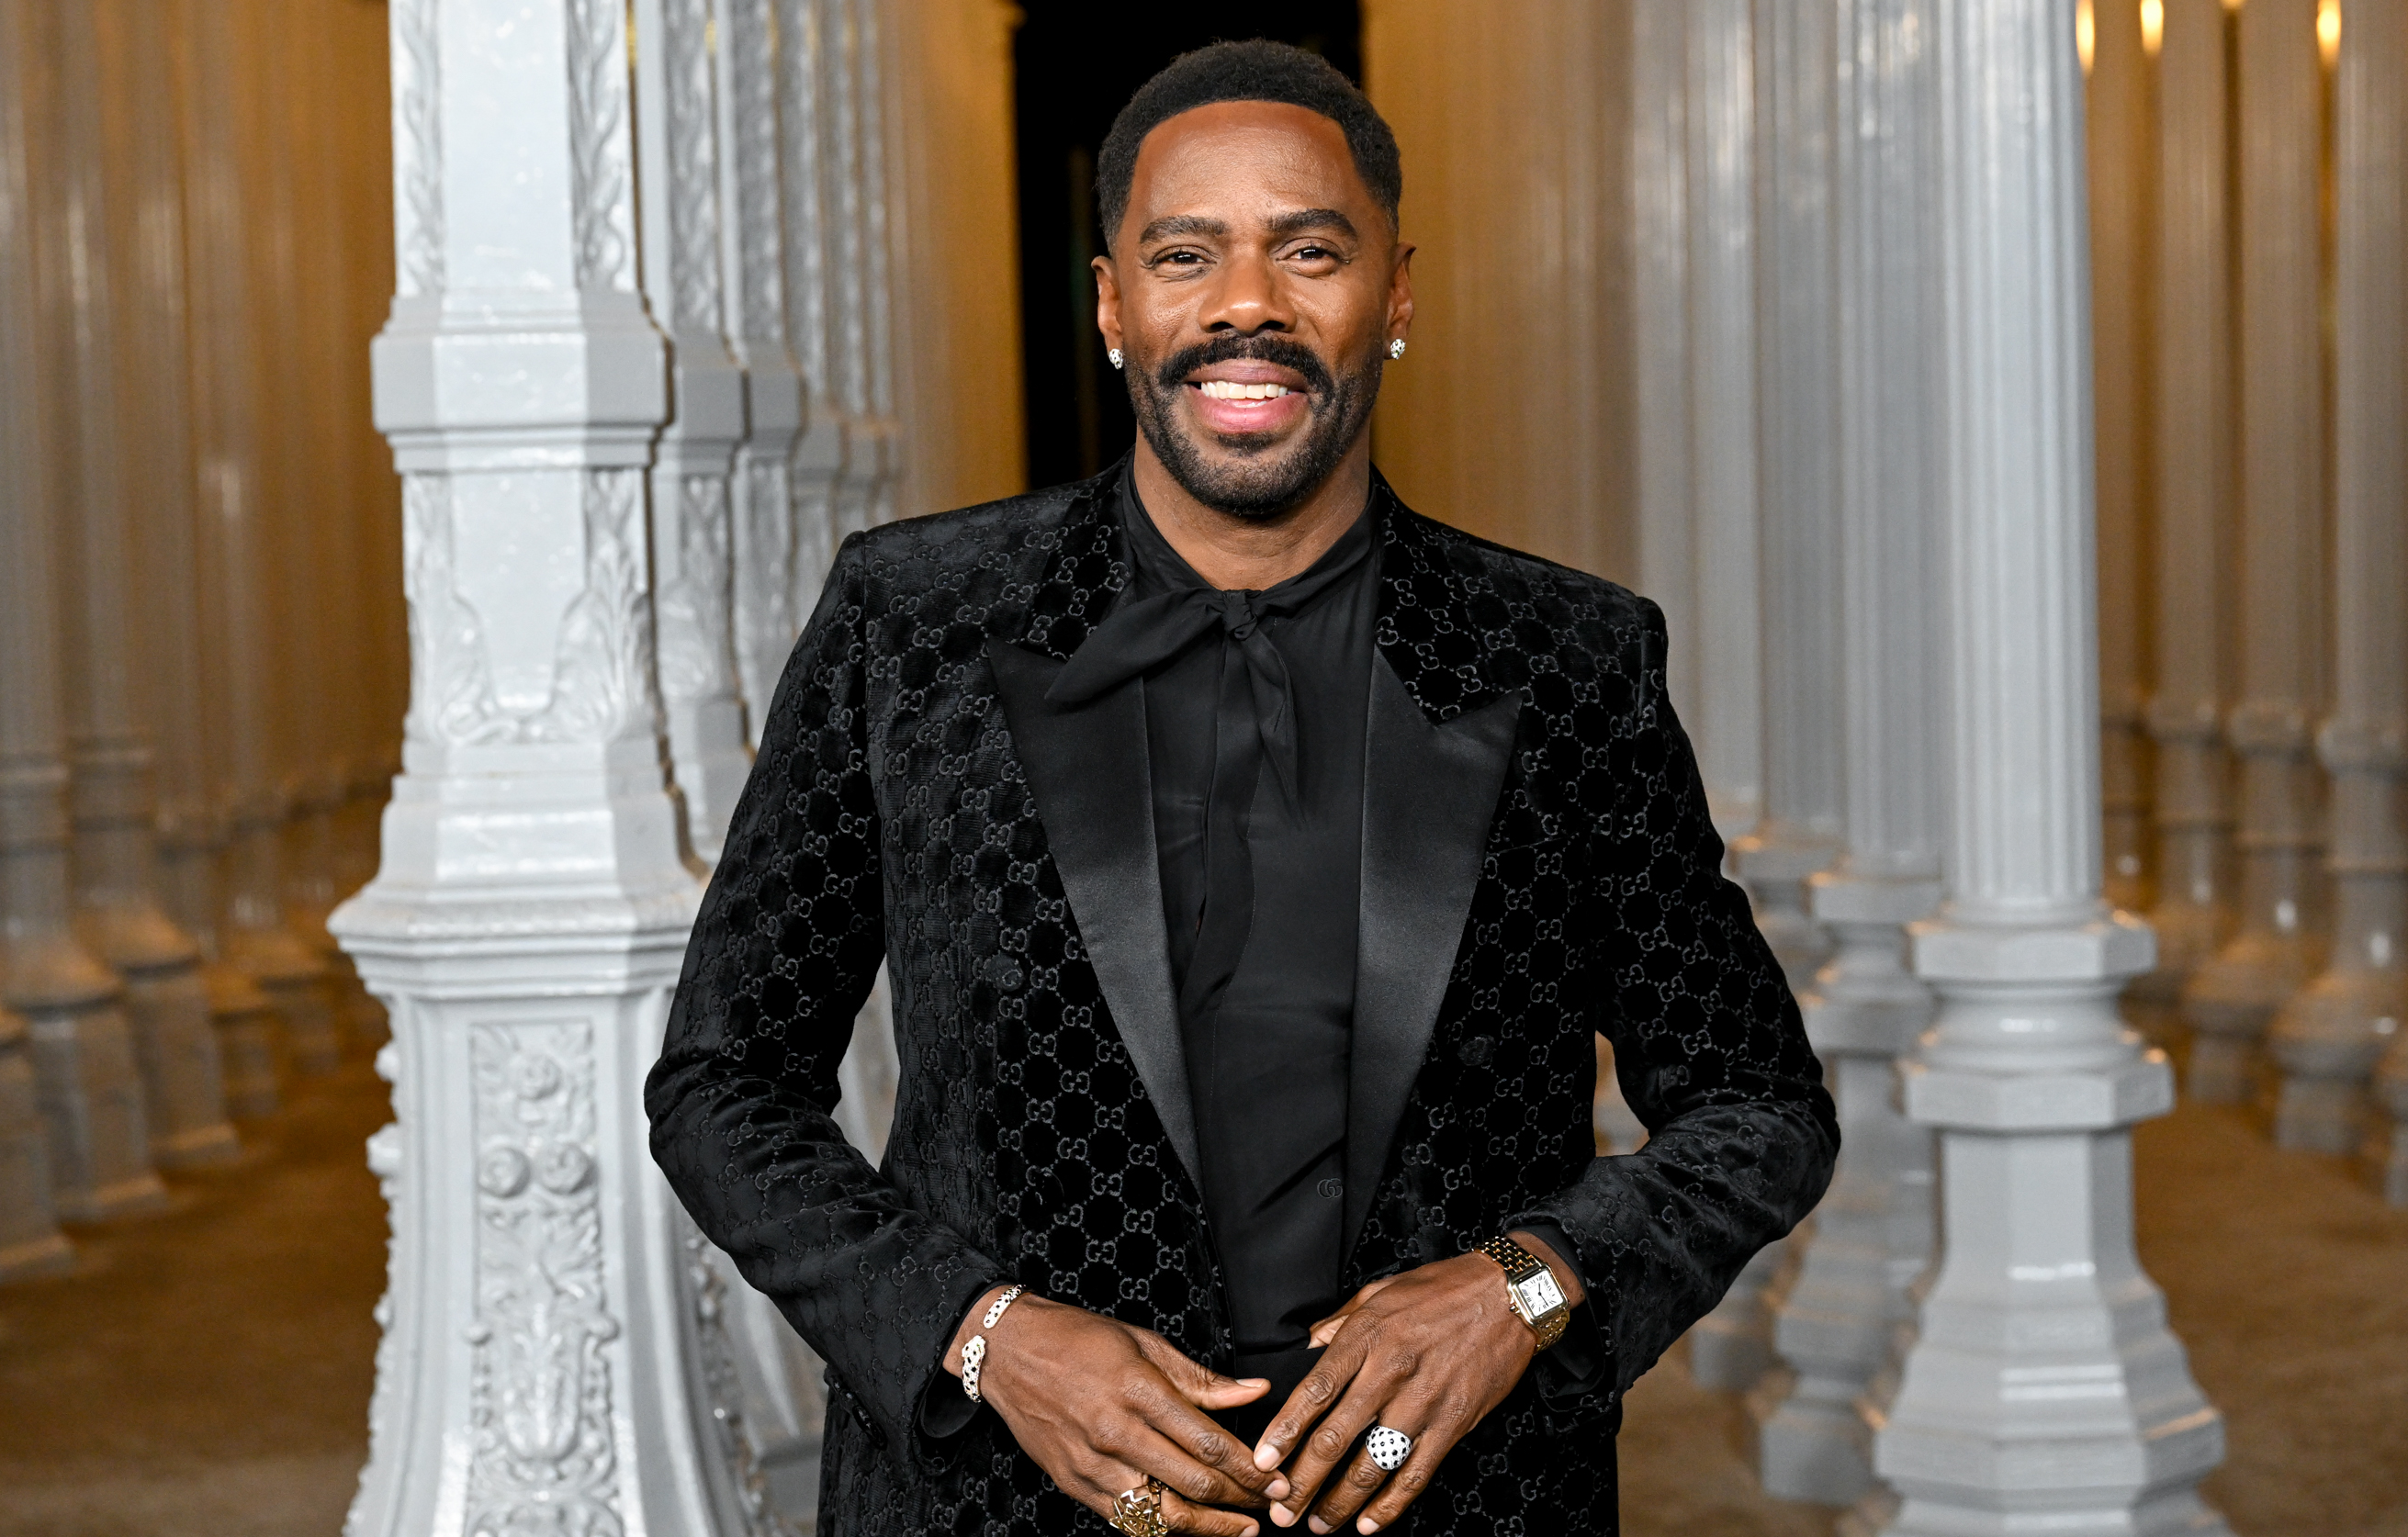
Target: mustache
(1278,350)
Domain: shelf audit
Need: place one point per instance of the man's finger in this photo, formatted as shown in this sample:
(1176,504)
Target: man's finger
(1183,1515)
(1361,1481)
(1197,1482)
(1325,1450)
(1406,1483)
(1313,1397)
(1327,1330)
(1196,1382)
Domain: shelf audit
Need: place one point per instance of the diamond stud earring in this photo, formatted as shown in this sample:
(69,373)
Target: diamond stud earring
(1113,354)
(1397,348)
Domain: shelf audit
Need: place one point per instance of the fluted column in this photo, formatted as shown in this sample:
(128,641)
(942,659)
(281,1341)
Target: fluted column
(553,1354)
(2042,1388)
(2194,551)
(750,132)
(805,169)
(1872,1233)
(1730,1347)
(84,1051)
(187,629)
(2234,997)
(30,1242)
(2117,143)
(1797,437)
(127,446)
(2329,1037)
(678,152)
(1659,338)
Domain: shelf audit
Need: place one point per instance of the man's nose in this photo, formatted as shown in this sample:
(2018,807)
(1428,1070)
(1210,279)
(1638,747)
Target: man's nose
(1249,298)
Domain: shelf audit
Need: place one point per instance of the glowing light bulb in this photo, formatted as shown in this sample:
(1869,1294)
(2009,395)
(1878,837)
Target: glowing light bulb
(2153,26)
(2328,30)
(2085,33)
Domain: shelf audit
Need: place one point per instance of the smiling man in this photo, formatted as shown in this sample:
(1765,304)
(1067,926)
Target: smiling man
(1255,863)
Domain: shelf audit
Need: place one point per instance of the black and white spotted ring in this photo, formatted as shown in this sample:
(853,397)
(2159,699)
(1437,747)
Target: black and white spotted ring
(1388,1448)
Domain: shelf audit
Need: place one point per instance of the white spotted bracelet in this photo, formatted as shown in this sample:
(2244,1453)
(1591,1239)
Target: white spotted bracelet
(974,1348)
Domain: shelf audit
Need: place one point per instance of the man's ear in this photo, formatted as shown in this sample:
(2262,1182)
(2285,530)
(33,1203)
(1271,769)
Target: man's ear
(1107,301)
(1400,293)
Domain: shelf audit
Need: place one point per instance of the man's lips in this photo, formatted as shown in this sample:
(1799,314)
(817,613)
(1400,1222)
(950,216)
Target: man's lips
(1246,396)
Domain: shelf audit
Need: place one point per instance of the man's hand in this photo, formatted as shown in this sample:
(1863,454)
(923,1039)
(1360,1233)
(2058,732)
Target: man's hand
(1430,1352)
(1101,1406)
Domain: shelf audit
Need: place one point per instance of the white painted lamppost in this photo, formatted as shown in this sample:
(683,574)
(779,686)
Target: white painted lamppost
(2043,1390)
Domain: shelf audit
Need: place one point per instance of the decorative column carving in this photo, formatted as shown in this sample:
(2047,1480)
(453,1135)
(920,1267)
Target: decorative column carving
(1797,448)
(805,184)
(1730,1347)
(29,1241)
(2331,1035)
(2118,145)
(2233,997)
(680,158)
(753,243)
(552,1359)
(125,391)
(2044,1387)
(2195,555)
(83,1052)
(247,685)
(1872,1233)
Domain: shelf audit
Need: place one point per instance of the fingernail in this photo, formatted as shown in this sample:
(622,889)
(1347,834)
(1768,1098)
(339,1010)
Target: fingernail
(1280,1515)
(1277,1487)
(1253,1382)
(1366,1526)
(1267,1457)
(1318,1525)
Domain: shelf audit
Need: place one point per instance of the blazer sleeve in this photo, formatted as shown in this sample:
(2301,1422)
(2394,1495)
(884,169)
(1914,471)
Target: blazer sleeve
(1709,1048)
(742,1101)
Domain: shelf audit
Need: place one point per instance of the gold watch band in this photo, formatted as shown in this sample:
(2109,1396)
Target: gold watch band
(1520,1265)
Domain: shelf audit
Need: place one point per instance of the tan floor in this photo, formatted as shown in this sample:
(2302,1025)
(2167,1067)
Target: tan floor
(206,1374)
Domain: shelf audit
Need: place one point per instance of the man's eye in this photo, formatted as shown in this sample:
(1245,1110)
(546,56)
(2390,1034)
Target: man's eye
(1314,253)
(1177,258)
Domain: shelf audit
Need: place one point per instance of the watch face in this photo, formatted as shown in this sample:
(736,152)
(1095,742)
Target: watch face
(1540,1294)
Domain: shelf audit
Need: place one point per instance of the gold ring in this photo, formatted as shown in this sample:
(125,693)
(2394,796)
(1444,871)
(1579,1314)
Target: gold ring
(1138,1513)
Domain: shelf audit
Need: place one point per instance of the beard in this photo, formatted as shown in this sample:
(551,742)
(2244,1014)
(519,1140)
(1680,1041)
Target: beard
(1263,480)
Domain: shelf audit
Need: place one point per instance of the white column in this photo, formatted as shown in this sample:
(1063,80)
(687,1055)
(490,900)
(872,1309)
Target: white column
(2043,1388)
(680,156)
(247,684)
(1797,451)
(125,444)
(1659,338)
(2195,556)
(84,1051)
(2331,1035)
(1872,1233)
(1729,1348)
(30,1242)
(806,168)
(2233,997)
(2117,144)
(750,131)
(551,1356)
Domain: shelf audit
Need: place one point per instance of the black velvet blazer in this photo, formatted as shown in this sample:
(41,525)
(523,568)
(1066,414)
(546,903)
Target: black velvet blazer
(1538,867)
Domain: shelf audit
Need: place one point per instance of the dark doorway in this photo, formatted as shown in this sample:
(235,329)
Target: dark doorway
(1079,60)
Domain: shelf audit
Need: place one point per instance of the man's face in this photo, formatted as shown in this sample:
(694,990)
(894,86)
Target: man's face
(1253,287)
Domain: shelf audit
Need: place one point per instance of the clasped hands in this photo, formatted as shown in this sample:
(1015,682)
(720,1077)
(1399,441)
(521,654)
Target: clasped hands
(1102,1406)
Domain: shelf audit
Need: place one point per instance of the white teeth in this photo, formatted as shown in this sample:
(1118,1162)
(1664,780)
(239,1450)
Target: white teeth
(1229,390)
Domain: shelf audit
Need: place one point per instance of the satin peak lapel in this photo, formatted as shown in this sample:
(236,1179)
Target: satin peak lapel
(1430,793)
(1087,769)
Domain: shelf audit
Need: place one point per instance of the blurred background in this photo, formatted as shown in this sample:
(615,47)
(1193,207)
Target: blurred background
(205,655)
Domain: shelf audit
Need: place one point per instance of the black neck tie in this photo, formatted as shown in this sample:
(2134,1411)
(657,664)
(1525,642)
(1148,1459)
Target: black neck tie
(1254,721)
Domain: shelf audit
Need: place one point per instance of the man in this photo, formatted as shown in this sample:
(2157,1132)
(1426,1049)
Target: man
(1255,861)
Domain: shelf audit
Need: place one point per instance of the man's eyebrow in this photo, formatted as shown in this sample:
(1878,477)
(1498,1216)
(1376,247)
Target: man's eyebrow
(1180,223)
(1312,219)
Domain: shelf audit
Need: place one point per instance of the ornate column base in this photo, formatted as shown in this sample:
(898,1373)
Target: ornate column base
(184,1078)
(2328,1042)
(1872,1233)
(2044,1387)
(91,1095)
(1730,1348)
(30,1241)
(556,1356)
(245,1024)
(1775,871)
(298,988)
(2231,1001)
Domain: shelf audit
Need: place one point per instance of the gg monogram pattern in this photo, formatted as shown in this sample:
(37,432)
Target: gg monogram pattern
(889,819)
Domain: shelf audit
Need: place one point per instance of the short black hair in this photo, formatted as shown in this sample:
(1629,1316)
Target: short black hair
(1257,70)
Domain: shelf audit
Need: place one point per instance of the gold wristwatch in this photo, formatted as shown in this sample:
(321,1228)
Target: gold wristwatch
(1530,1289)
